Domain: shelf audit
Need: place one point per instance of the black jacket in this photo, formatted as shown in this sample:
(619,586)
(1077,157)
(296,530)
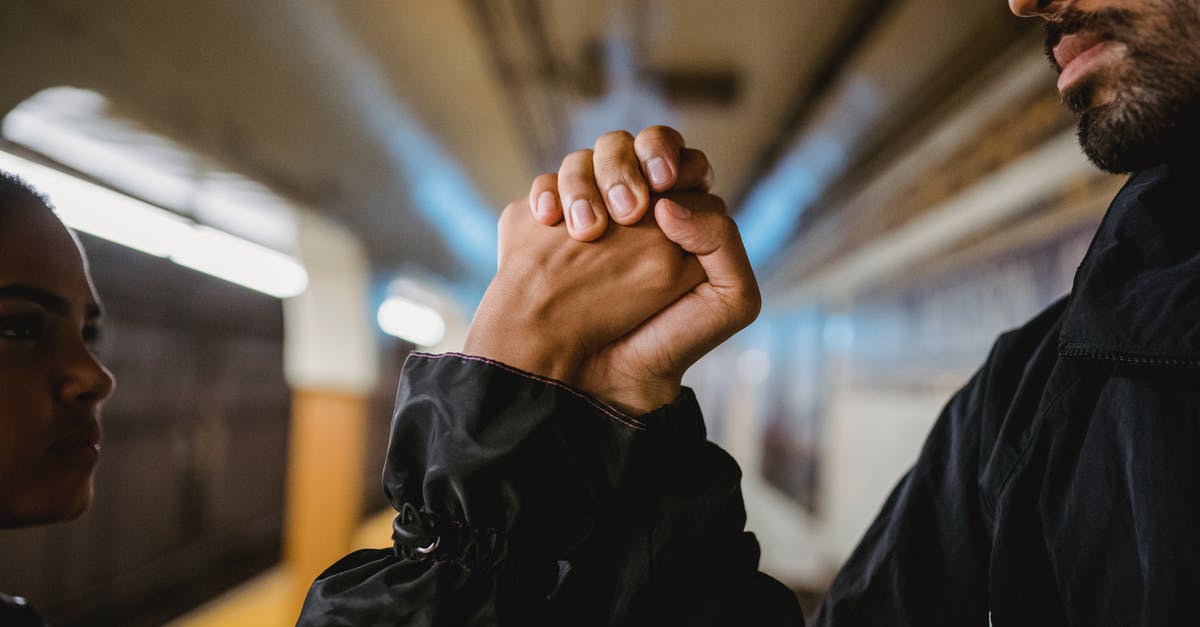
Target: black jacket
(1060,486)
(546,507)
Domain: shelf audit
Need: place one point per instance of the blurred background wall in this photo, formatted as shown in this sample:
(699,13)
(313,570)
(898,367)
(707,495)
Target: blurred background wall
(328,176)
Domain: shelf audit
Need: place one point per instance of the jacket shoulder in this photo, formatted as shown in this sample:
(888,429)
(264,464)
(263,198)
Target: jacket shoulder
(1022,378)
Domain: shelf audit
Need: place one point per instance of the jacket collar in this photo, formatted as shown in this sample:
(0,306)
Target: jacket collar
(1136,296)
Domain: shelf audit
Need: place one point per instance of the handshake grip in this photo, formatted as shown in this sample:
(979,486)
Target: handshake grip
(622,317)
(621,313)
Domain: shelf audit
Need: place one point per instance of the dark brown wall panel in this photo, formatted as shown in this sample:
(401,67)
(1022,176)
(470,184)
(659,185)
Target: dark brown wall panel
(189,493)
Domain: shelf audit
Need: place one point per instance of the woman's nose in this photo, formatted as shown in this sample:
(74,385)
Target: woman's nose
(88,382)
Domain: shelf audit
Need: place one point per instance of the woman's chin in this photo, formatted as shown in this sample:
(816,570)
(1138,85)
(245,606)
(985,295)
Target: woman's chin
(59,506)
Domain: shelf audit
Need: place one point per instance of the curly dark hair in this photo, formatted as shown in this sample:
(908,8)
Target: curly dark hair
(14,189)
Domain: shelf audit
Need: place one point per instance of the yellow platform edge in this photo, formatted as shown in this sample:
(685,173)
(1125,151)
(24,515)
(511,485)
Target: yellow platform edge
(263,601)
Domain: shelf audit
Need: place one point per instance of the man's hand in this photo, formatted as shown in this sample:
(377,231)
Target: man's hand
(643,369)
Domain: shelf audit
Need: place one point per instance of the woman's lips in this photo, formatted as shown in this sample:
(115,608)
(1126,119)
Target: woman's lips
(80,447)
(76,453)
(1076,54)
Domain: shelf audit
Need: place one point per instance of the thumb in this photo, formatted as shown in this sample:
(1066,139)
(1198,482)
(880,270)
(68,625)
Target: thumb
(716,309)
(714,239)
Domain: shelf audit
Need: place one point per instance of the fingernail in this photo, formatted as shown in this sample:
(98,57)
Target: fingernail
(581,214)
(678,210)
(545,203)
(658,170)
(622,200)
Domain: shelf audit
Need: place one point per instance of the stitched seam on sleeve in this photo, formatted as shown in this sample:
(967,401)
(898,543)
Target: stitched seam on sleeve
(606,409)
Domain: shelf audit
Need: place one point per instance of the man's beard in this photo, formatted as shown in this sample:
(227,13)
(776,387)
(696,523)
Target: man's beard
(1153,115)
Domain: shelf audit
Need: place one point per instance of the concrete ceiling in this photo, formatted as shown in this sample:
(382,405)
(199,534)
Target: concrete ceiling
(350,107)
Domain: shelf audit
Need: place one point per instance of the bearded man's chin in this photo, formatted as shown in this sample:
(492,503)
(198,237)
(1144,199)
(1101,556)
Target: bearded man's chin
(1126,137)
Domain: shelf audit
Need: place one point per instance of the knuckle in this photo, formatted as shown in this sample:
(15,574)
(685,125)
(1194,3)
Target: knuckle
(510,210)
(661,133)
(718,203)
(754,305)
(508,219)
(574,160)
(725,229)
(611,164)
(545,180)
(747,303)
(513,211)
(695,160)
(613,139)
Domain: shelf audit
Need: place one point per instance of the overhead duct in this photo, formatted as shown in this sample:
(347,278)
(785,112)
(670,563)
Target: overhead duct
(918,52)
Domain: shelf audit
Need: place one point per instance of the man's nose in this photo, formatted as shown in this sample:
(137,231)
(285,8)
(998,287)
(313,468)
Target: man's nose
(1030,8)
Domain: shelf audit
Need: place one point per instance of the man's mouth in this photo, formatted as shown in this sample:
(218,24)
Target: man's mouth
(1077,53)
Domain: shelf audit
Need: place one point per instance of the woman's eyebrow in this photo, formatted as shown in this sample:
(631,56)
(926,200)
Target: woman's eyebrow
(49,300)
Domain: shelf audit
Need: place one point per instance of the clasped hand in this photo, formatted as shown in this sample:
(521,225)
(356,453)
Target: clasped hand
(620,310)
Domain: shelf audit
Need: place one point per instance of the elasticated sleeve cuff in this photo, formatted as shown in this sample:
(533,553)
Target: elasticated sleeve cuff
(499,478)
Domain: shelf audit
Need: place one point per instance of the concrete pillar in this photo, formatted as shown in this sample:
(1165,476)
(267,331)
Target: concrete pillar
(330,363)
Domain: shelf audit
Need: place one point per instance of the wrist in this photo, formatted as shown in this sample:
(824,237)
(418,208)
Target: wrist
(505,335)
(541,363)
(640,397)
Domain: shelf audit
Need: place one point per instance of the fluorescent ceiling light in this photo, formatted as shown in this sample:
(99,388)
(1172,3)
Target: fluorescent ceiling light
(76,128)
(130,222)
(411,321)
(241,261)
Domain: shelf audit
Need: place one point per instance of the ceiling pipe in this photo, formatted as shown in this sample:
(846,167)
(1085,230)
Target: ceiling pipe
(914,53)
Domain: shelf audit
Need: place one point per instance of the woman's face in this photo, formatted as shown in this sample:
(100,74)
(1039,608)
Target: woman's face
(51,385)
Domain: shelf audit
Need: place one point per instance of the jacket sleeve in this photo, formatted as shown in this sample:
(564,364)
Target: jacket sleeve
(924,560)
(523,501)
(496,475)
(682,555)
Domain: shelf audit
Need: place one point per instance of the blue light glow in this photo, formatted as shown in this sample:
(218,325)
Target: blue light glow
(774,206)
(441,192)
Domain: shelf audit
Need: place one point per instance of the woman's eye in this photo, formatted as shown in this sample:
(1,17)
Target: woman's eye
(21,328)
